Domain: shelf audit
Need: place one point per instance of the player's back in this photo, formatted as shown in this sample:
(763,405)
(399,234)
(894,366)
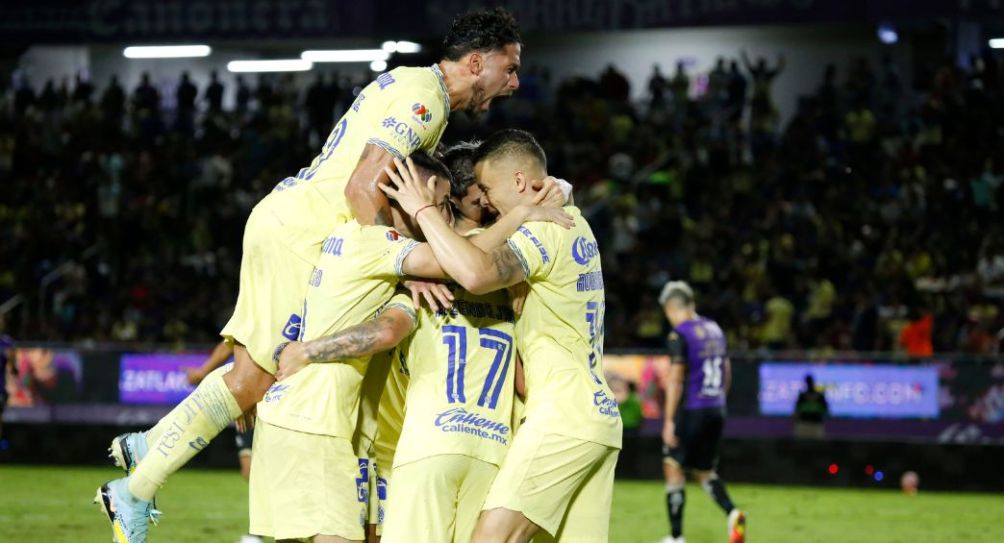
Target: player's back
(705,352)
(560,332)
(461,364)
(355,276)
(401,111)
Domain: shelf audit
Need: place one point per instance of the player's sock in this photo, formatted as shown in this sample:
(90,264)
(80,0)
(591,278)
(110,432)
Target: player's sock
(716,489)
(676,498)
(189,428)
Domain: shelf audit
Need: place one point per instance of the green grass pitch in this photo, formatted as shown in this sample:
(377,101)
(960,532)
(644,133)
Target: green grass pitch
(53,504)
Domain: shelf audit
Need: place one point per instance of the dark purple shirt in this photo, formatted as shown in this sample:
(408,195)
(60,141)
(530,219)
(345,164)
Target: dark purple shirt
(700,343)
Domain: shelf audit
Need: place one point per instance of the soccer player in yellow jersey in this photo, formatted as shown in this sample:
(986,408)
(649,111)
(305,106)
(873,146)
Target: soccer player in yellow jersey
(558,474)
(305,477)
(402,111)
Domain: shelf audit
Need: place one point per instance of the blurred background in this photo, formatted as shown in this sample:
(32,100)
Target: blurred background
(825,173)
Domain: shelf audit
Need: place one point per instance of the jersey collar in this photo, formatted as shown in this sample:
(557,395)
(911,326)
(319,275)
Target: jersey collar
(442,86)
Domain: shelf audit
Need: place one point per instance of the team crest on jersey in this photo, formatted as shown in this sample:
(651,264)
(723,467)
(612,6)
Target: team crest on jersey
(421,112)
(392,235)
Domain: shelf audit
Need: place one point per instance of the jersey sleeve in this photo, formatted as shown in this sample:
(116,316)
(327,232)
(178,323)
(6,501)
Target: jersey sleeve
(388,249)
(412,120)
(401,301)
(534,248)
(677,348)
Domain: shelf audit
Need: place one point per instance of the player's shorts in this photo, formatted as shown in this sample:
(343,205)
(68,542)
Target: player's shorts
(244,441)
(276,265)
(698,433)
(562,484)
(437,499)
(304,485)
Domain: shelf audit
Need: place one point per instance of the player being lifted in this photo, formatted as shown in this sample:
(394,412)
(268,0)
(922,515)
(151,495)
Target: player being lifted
(558,473)
(699,378)
(401,111)
(305,477)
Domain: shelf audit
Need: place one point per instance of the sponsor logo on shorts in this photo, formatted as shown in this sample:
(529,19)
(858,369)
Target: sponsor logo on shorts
(583,250)
(275,393)
(460,420)
(605,404)
(291,330)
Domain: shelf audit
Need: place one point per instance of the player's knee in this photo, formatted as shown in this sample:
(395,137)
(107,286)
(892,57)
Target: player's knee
(501,526)
(247,381)
(705,478)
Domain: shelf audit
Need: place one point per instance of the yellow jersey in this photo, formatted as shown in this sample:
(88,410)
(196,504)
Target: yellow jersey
(461,365)
(355,276)
(401,111)
(560,332)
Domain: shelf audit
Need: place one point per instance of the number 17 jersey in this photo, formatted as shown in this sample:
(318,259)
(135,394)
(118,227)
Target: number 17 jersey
(461,365)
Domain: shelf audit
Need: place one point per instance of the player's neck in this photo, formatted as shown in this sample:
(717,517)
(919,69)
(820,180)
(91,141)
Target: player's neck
(464,225)
(453,77)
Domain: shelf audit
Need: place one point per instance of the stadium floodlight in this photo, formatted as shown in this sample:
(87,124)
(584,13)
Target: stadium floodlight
(345,55)
(378,65)
(887,34)
(166,51)
(997,43)
(275,65)
(401,47)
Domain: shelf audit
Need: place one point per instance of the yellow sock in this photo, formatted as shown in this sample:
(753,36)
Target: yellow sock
(185,431)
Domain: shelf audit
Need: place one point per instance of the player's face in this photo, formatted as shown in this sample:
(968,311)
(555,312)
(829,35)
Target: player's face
(471,206)
(501,184)
(499,76)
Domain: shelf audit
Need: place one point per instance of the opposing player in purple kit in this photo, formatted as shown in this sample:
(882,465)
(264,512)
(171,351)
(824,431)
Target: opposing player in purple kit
(402,111)
(700,374)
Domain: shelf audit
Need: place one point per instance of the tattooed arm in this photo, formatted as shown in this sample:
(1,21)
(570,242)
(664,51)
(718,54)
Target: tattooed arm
(371,337)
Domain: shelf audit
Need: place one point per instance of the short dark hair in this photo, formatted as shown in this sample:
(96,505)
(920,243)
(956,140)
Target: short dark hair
(480,30)
(460,160)
(430,165)
(511,141)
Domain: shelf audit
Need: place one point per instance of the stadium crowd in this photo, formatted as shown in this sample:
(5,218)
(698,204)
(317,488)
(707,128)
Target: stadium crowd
(870,220)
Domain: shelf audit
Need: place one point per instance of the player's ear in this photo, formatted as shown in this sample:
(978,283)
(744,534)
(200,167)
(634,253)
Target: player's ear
(476,63)
(521,181)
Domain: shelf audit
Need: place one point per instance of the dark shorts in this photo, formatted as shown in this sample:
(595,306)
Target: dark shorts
(698,434)
(244,441)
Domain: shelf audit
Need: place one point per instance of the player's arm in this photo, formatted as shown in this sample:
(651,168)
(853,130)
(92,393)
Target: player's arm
(369,204)
(377,335)
(520,378)
(223,351)
(476,270)
(423,261)
(674,386)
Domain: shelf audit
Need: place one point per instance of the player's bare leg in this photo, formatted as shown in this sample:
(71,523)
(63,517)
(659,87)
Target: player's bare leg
(503,526)
(371,535)
(247,381)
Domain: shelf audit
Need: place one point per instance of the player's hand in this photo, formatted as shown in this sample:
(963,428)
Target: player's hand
(436,295)
(549,192)
(245,422)
(518,293)
(669,434)
(292,359)
(406,189)
(550,214)
(194,375)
